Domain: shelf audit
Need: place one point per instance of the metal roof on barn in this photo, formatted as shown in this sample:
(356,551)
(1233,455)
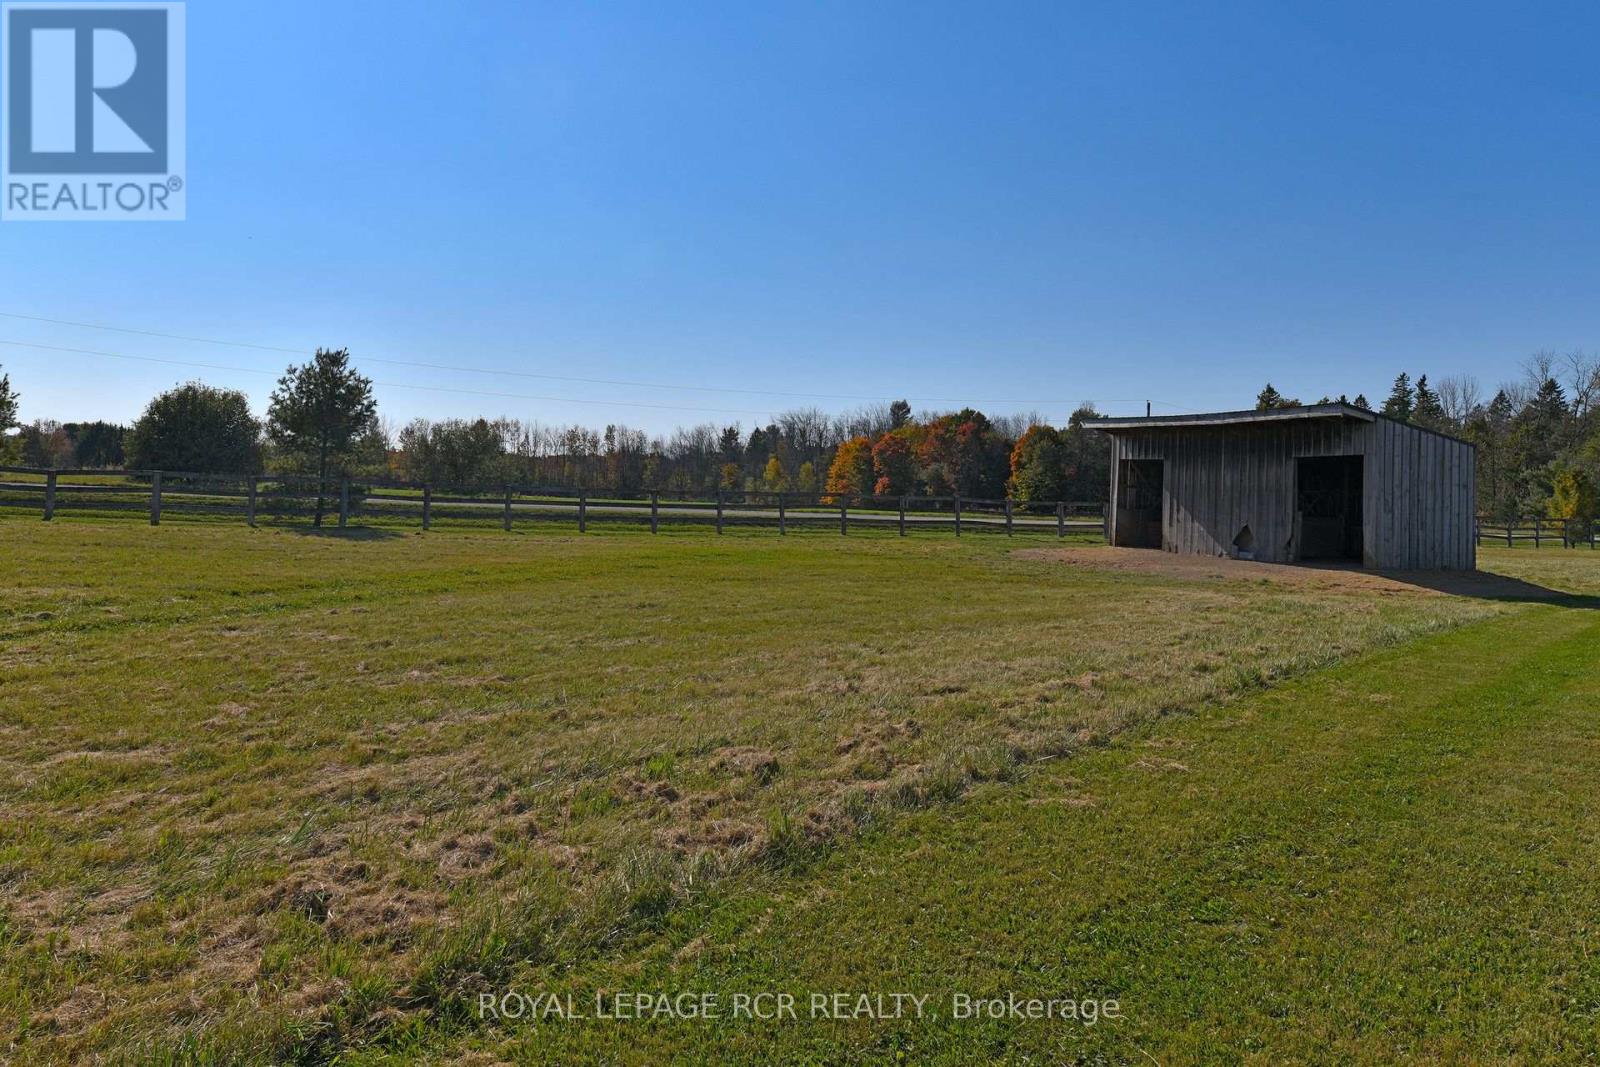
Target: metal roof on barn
(1236,418)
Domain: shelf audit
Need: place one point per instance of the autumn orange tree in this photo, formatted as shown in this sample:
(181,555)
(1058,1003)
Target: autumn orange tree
(962,453)
(1038,466)
(894,461)
(851,472)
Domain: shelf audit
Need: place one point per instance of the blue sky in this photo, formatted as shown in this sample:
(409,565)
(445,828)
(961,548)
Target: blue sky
(1019,205)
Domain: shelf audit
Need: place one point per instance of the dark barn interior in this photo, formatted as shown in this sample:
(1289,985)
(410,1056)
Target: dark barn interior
(1141,502)
(1328,501)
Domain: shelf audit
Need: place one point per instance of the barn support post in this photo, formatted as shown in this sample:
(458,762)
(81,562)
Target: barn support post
(344,502)
(783,523)
(427,506)
(1061,519)
(250,503)
(958,514)
(844,515)
(155,499)
(1008,517)
(583,512)
(49,496)
(902,516)
(719,512)
(655,512)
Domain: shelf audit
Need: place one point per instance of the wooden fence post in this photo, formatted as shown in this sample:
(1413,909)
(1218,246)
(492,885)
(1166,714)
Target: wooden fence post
(902,516)
(344,502)
(1538,532)
(844,515)
(783,523)
(1008,516)
(719,512)
(583,512)
(1509,527)
(427,506)
(250,504)
(655,512)
(958,514)
(155,499)
(505,520)
(1061,519)
(49,496)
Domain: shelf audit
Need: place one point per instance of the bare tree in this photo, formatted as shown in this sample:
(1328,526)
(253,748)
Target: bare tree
(1539,368)
(870,421)
(1015,425)
(1583,381)
(1460,396)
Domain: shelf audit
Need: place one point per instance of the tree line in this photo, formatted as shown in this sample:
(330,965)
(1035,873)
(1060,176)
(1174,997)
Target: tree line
(322,419)
(1538,440)
(1537,436)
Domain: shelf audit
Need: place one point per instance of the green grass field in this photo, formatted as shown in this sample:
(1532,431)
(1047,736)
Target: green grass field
(268,796)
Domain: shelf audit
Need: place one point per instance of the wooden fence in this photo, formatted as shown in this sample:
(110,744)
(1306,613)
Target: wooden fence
(345,502)
(1569,533)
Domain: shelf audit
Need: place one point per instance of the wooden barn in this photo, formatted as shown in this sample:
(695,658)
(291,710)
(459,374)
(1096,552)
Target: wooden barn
(1324,482)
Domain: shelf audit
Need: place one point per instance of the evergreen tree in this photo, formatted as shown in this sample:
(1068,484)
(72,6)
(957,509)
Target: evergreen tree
(1362,402)
(899,414)
(1269,399)
(10,445)
(731,445)
(318,414)
(1402,399)
(1426,410)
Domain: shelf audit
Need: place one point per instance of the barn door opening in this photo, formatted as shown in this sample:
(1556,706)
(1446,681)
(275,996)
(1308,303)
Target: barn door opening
(1329,501)
(1139,503)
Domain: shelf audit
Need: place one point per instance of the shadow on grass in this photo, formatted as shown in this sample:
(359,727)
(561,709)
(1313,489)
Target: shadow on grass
(349,533)
(1486,585)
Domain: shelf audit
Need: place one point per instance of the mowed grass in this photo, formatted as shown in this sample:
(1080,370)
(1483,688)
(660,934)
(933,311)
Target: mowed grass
(268,796)
(1391,861)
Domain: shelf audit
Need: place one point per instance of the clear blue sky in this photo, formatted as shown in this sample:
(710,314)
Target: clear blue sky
(1003,202)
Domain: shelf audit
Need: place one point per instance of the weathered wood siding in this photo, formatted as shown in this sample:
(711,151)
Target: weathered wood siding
(1421,492)
(1418,488)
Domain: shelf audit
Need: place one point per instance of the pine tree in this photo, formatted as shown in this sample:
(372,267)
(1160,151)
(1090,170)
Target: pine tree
(10,446)
(899,414)
(1270,399)
(319,412)
(1402,399)
(1362,402)
(1426,410)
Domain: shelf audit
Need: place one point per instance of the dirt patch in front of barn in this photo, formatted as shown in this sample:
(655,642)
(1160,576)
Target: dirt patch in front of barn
(1327,576)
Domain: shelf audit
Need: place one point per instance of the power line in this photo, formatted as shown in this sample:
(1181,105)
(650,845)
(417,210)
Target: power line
(388,385)
(531,374)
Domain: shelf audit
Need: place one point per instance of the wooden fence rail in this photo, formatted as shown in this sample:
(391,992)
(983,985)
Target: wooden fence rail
(347,501)
(1569,533)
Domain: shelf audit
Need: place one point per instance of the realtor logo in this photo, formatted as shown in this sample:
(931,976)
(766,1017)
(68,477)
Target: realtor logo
(93,99)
